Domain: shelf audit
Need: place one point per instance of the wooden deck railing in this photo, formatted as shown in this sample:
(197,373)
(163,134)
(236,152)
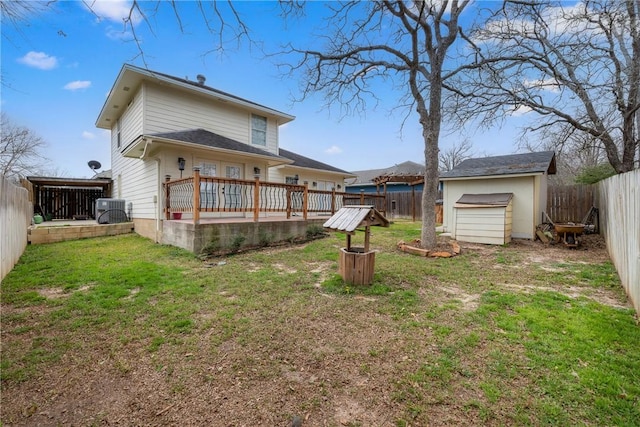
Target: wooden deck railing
(198,194)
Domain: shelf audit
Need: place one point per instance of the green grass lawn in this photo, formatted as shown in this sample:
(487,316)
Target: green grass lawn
(513,335)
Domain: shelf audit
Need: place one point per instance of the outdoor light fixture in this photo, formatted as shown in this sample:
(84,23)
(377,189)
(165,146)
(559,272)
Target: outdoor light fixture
(181,162)
(339,186)
(256,171)
(315,184)
(296,177)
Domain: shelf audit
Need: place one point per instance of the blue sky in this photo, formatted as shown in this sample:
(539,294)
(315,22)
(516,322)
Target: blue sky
(58,67)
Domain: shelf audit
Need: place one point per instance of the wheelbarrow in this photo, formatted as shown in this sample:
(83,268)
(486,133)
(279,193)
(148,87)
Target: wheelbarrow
(568,234)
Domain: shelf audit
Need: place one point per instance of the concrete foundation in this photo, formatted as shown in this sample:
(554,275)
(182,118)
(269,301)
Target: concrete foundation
(233,235)
(58,232)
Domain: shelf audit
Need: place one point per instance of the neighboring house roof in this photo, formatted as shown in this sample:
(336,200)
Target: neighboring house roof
(213,140)
(130,78)
(408,168)
(103,174)
(513,164)
(307,163)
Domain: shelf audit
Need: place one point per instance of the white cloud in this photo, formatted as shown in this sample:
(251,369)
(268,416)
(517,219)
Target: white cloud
(77,85)
(39,60)
(88,135)
(334,149)
(547,84)
(113,10)
(521,111)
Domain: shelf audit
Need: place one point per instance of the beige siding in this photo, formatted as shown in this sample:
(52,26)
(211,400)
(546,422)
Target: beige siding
(169,110)
(327,180)
(525,218)
(490,225)
(135,181)
(131,124)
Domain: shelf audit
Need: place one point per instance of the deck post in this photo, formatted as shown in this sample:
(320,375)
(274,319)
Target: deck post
(256,200)
(167,199)
(305,202)
(333,200)
(289,193)
(196,195)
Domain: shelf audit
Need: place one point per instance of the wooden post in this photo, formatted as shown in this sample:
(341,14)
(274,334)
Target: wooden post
(256,200)
(366,238)
(289,192)
(305,202)
(333,200)
(413,203)
(167,199)
(362,196)
(196,195)
(348,242)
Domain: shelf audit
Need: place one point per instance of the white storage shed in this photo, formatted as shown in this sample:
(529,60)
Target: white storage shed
(523,175)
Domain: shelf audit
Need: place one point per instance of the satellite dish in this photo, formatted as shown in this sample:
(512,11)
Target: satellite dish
(94,164)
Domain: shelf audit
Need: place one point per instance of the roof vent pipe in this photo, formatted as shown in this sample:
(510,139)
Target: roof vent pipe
(201,79)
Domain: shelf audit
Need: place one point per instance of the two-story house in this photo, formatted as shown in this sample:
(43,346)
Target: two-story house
(164,127)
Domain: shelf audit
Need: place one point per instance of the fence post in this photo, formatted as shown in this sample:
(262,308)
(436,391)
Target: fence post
(196,195)
(256,199)
(361,197)
(167,198)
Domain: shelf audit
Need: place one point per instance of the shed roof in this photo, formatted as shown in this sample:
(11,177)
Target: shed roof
(348,218)
(488,200)
(513,164)
(48,181)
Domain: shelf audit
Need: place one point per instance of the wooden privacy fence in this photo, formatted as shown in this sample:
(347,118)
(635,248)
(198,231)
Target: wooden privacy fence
(15,217)
(408,204)
(618,199)
(569,203)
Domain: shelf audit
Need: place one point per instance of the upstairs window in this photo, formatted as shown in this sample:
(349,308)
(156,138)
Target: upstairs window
(258,130)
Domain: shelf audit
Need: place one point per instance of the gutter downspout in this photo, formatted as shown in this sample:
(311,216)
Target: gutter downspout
(147,143)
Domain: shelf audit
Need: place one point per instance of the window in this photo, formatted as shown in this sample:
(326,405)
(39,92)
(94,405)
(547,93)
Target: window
(208,190)
(258,130)
(293,180)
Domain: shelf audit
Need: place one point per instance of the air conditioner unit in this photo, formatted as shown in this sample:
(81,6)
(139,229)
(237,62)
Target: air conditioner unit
(110,211)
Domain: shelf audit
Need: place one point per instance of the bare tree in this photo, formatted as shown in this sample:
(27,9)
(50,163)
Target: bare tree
(575,66)
(401,43)
(454,155)
(20,150)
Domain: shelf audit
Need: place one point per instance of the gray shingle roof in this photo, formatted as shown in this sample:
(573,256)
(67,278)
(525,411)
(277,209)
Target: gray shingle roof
(407,168)
(305,162)
(210,139)
(203,86)
(527,163)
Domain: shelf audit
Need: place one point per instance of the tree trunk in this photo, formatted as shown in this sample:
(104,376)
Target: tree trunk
(431,133)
